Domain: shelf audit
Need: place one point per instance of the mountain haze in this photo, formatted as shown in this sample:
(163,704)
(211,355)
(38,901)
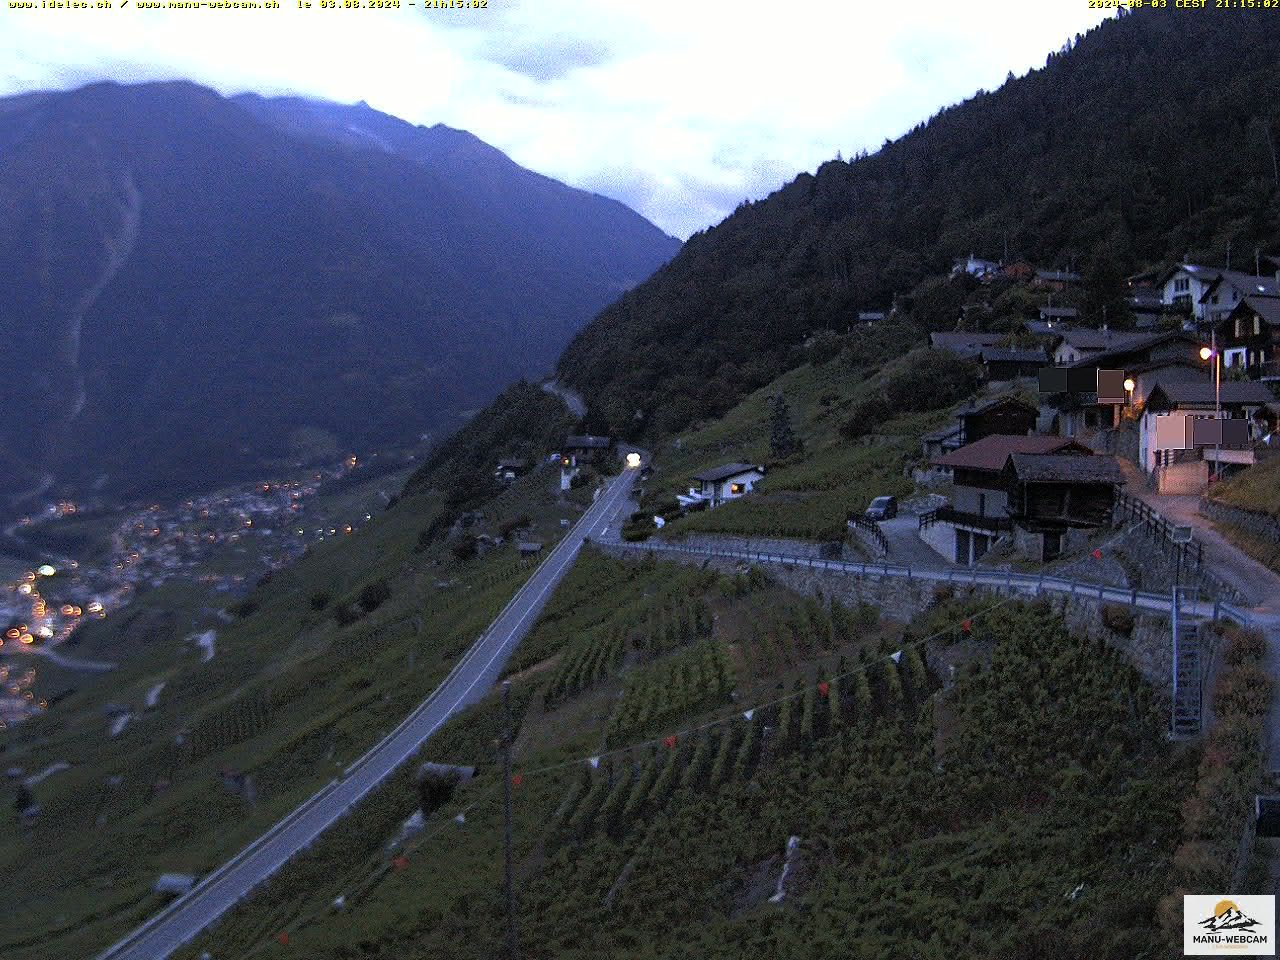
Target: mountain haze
(197,285)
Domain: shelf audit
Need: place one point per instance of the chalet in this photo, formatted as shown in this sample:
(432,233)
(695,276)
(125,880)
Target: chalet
(966,343)
(976,268)
(1184,285)
(1056,499)
(1007,414)
(579,448)
(978,513)
(870,316)
(1228,288)
(1002,364)
(1249,338)
(1050,329)
(724,483)
(1175,450)
(1055,279)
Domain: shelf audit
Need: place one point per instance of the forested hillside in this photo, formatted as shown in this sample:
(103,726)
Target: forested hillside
(1152,136)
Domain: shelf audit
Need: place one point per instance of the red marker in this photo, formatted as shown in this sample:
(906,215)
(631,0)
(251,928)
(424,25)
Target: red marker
(670,741)
(517,780)
(1097,554)
(400,862)
(283,937)
(823,687)
(966,625)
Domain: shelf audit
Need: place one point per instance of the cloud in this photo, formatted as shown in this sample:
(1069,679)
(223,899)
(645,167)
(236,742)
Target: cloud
(679,110)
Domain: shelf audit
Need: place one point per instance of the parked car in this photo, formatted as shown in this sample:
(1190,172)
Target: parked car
(882,508)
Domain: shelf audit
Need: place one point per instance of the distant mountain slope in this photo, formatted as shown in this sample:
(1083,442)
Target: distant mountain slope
(1154,135)
(195,285)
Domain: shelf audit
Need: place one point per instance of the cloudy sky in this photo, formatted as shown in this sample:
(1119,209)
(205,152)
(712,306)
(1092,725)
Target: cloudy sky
(680,110)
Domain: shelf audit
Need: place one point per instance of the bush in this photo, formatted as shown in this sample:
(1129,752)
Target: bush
(465,548)
(1118,619)
(374,594)
(245,607)
(346,614)
(510,526)
(320,599)
(865,417)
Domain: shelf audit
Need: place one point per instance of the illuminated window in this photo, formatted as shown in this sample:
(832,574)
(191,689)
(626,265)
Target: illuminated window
(735,488)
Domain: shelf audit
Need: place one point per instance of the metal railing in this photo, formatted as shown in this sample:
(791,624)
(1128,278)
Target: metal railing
(1027,582)
(872,528)
(1159,529)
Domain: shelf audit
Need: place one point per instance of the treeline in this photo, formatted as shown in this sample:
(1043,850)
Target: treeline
(1154,136)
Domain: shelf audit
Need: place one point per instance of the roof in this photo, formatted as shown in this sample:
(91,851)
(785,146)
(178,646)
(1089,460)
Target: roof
(1203,393)
(1046,327)
(1072,468)
(1012,355)
(870,314)
(1268,308)
(1195,269)
(725,472)
(1058,276)
(1136,343)
(587,442)
(960,340)
(1086,338)
(1246,283)
(991,452)
(991,403)
(943,434)
(1048,311)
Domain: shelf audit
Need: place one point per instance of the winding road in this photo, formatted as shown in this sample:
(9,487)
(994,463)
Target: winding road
(468,682)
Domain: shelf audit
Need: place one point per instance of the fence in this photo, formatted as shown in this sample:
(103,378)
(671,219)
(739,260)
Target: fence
(872,529)
(1006,579)
(1159,529)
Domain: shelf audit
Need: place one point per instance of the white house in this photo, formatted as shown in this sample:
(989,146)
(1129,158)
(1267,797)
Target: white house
(1170,445)
(1185,286)
(975,267)
(721,484)
(1229,288)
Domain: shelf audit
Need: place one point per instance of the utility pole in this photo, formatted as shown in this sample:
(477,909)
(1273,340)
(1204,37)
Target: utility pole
(513,951)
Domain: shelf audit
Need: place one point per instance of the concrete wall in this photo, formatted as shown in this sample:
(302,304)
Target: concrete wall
(1259,524)
(994,503)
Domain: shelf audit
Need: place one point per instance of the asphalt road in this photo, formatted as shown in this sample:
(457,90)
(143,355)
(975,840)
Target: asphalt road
(469,681)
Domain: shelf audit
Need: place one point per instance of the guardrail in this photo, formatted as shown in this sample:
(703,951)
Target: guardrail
(1034,583)
(1160,529)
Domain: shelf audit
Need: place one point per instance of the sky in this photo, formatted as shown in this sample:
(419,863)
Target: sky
(680,110)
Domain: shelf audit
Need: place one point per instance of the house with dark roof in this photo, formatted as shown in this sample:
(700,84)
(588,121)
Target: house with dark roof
(1056,499)
(1183,285)
(1003,364)
(1079,343)
(975,267)
(870,316)
(722,484)
(1055,279)
(965,343)
(1249,338)
(1007,414)
(1177,447)
(1224,293)
(978,513)
(584,448)
(1064,315)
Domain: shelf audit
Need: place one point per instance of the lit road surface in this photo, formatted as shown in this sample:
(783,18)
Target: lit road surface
(468,682)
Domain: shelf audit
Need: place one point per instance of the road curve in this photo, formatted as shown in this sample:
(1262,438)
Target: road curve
(468,682)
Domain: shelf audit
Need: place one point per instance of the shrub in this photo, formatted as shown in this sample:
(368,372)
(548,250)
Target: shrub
(374,594)
(865,417)
(346,614)
(510,526)
(320,599)
(1118,619)
(464,548)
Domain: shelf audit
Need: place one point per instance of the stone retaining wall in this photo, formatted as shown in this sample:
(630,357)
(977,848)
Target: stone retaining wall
(1259,524)
(1148,646)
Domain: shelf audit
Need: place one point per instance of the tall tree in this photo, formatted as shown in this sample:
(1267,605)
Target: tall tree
(783,441)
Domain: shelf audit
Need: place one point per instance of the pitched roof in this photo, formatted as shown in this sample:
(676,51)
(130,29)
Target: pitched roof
(991,452)
(982,406)
(1202,392)
(1012,355)
(1072,468)
(962,340)
(1058,276)
(1048,311)
(725,472)
(1268,308)
(1134,344)
(1246,283)
(1086,338)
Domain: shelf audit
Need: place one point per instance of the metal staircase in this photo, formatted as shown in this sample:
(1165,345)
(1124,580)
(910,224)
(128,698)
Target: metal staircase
(1188,684)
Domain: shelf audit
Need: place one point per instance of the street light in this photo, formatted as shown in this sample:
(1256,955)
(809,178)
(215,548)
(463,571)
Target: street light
(1205,354)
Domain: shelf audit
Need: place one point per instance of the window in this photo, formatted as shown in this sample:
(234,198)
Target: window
(1239,327)
(982,504)
(1257,324)
(1181,284)
(735,488)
